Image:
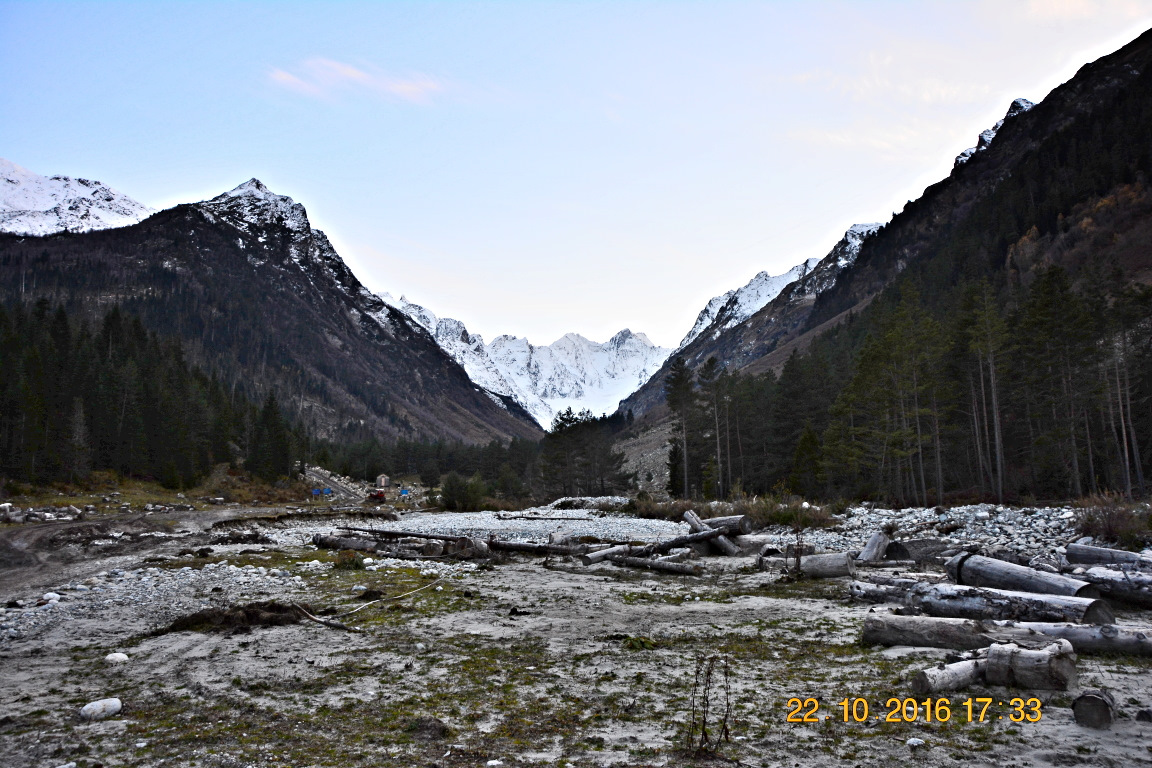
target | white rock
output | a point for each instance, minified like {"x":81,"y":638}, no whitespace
{"x":116,"y":658}
{"x":914,"y":742}
{"x":98,"y":710}
{"x":51,"y":596}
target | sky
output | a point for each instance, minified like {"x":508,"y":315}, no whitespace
{"x":539,"y":168}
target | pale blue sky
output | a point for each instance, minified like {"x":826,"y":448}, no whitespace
{"x":537,"y":168}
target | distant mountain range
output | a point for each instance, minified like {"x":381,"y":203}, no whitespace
{"x":262,"y":300}
{"x":572,"y":372}
{"x":31,"y":204}
{"x":994,"y":213}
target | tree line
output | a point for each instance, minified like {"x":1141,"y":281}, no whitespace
{"x":1000,"y":393}
{"x":576,"y":457}
{"x":76,"y":398}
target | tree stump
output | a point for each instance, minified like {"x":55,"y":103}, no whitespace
{"x":1094,"y":709}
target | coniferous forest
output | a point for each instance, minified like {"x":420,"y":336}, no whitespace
{"x":75,"y":398}
{"x":1041,"y":392}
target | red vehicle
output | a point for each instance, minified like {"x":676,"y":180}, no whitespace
{"x":377,"y":495}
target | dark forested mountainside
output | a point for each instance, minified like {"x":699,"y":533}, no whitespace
{"x":994,"y":339}
{"x":114,"y":397}
{"x":1062,"y":183}
{"x":263,"y":300}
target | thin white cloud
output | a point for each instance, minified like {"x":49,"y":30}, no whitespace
{"x":328,"y":79}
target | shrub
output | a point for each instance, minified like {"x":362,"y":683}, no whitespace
{"x":349,"y":560}
{"x":460,"y":495}
{"x":1110,"y":520}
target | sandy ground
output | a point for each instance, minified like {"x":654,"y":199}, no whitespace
{"x":525,"y":661}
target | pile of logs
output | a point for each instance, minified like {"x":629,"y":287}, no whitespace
{"x":410,"y":545}
{"x":715,"y":533}
{"x":1016,"y":625}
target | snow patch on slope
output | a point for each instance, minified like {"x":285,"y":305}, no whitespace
{"x":572,"y":372}
{"x":31,"y":204}
{"x":985,"y":140}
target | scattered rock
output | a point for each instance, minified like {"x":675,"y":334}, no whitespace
{"x":100,"y":710}
{"x":914,"y":742}
{"x":116,"y":658}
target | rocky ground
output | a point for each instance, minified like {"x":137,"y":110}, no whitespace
{"x":518,"y":661}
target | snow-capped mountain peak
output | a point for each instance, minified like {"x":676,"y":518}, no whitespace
{"x":31,"y":204}
{"x":252,"y":203}
{"x":570,"y":372}
{"x":734,"y":307}
{"x":985,"y":139}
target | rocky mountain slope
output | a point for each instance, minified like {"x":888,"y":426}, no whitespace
{"x":1082,"y":154}
{"x":31,"y":204}
{"x":725,"y":314}
{"x":572,"y":372}
{"x":263,"y":300}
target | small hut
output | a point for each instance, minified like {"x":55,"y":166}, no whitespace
{"x":382,"y":481}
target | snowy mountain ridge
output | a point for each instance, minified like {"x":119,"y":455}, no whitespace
{"x":572,"y":372}
{"x":31,"y":204}
{"x":736,"y":306}
{"x":985,"y":140}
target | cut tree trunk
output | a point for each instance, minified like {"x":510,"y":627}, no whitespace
{"x":963,"y":602}
{"x":895,"y":564}
{"x":966,"y":634}
{"x":875,"y":548}
{"x":1094,"y":709}
{"x":685,"y":569}
{"x":1052,"y":668}
{"x":828,"y":566}
{"x":537,"y":549}
{"x":1085,"y":555}
{"x":736,"y":525}
{"x":978,"y":571}
{"x":604,"y":554}
{"x":1128,"y":586}
{"x":721,"y":542}
{"x":948,"y":677}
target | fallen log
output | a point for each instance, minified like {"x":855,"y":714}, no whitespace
{"x":896,"y":564}
{"x":875,"y":548}
{"x":341,"y":542}
{"x":828,"y":566}
{"x":684,"y":569}
{"x":964,"y":602}
{"x":986,"y":603}
{"x":978,"y":571}
{"x":1052,"y":668}
{"x":1094,"y":709}
{"x":604,"y":554}
{"x":1086,"y":555}
{"x":386,"y":534}
{"x":965,"y":634}
{"x":907,"y":580}
{"x":721,"y":542}
{"x":1128,"y":586}
{"x":680,"y":541}
{"x":948,"y":677}
{"x":537,"y":549}
{"x":737,"y":525}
